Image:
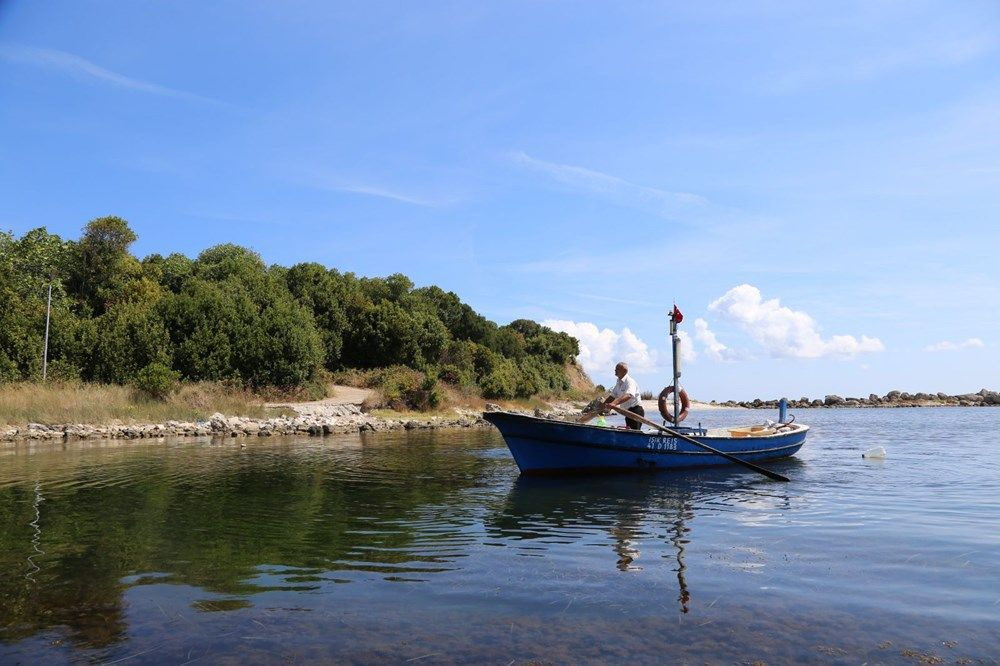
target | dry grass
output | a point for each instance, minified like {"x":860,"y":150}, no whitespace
{"x":58,"y":403}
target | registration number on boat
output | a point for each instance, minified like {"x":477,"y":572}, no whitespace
{"x":662,"y":444}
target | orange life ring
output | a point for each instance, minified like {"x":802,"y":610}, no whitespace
{"x":665,"y":409}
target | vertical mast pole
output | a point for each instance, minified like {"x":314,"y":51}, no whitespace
{"x":675,"y":347}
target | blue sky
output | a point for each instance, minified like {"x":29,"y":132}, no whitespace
{"x":817,"y":185}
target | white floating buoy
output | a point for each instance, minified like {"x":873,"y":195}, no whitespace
{"x":877,"y":453}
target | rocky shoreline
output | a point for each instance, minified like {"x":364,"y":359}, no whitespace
{"x":321,"y":420}
{"x":331,"y":420}
{"x":983,"y":398}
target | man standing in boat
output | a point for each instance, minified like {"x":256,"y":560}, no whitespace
{"x":626,"y":395}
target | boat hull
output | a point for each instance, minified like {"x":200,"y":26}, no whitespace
{"x":546,"y":446}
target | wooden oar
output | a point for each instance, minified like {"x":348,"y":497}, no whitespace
{"x":766,"y":472}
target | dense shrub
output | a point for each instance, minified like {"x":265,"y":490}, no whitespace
{"x":282,"y":346}
{"x":61,"y":370}
{"x":8,"y":369}
{"x":456,"y":376}
{"x":130,"y":337}
{"x":157,"y":381}
{"x":405,"y":388}
{"x":502,"y":380}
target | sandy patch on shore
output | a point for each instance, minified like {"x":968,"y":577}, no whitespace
{"x":342,"y":395}
{"x":651,"y":406}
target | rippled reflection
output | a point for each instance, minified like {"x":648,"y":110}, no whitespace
{"x":633,"y":513}
{"x":399,"y":546}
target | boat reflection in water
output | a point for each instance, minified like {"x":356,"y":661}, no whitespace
{"x":646,"y":519}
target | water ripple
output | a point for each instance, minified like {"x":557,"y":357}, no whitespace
{"x":122,"y":542}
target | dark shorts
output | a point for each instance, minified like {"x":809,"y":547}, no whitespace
{"x":632,"y":424}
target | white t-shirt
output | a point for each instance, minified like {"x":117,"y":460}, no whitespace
{"x":626,"y":385}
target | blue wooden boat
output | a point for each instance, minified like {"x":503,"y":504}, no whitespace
{"x":541,"y":445}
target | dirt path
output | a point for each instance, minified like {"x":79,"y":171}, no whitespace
{"x":342,"y":395}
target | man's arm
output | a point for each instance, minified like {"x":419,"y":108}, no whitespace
{"x":613,"y":401}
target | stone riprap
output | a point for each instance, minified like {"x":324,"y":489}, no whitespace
{"x":332,"y":419}
{"x":983,"y":398}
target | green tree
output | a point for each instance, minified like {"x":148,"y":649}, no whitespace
{"x":131,"y":336}
{"x":319,"y":290}
{"x":462,"y":322}
{"x":283,"y":347}
{"x":206,"y":322}
{"x":542,"y":341}
{"x":228,"y":262}
{"x":220,"y":330}
{"x":510,"y":343}
{"x":502,"y":381}
{"x":29,"y":264}
{"x":102,"y":266}
{"x":20,"y":337}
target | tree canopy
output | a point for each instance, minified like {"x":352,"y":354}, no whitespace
{"x":226,"y":315}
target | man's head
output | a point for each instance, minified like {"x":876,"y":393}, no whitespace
{"x":621,"y":369}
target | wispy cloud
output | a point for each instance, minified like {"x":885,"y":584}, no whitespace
{"x":945,"y":345}
{"x":939,"y":52}
{"x":605,"y":186}
{"x":331,"y":182}
{"x":383,"y":193}
{"x":85,"y":70}
{"x":783,"y":332}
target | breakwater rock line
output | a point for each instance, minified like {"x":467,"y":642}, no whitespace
{"x":984,"y":398}
{"x":339,"y":419}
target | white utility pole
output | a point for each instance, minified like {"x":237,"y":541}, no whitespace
{"x":45,"y":351}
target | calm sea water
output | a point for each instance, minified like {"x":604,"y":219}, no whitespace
{"x":429,"y":548}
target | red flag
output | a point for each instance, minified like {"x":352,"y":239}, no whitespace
{"x":678,"y":317}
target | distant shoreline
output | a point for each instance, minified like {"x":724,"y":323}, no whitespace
{"x":984,"y":398}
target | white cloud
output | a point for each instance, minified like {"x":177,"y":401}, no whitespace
{"x":601,"y":348}
{"x":784,"y":332}
{"x":945,"y":345}
{"x":714,"y":349}
{"x":688,"y":352}
{"x":82,"y":68}
{"x":594,"y":183}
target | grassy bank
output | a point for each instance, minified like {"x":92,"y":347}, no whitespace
{"x":60,"y":403}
